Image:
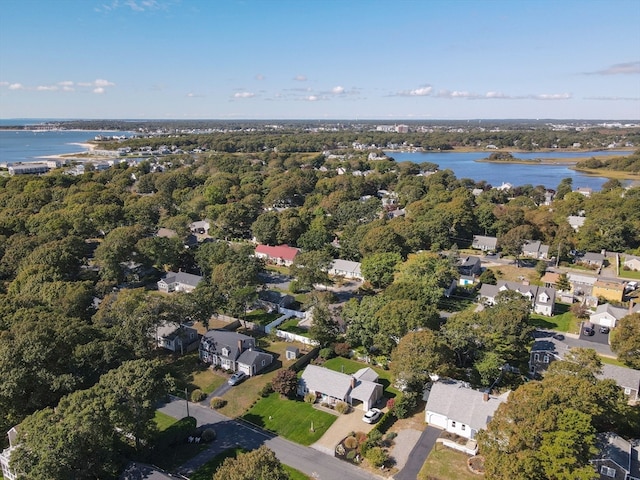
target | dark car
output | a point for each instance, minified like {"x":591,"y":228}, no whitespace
{"x":558,"y":336}
{"x":589,"y":331}
{"x":604,"y":330}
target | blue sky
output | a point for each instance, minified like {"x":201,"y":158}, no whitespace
{"x":320,"y":59}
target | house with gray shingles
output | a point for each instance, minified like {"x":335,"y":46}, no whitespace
{"x":542,"y":298}
{"x":346,"y":269}
{"x":615,"y":458}
{"x":179,"y":282}
{"x":179,"y":338}
{"x":547,"y":349}
{"x":535,"y":249}
{"x":592,"y":259}
{"x":458,"y":409}
{"x":332,"y":387}
{"x":576,"y":222}
{"x":486,"y":244}
{"x":233,"y":351}
{"x":607,"y":315}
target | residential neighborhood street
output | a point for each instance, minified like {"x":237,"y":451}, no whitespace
{"x":231,"y":433}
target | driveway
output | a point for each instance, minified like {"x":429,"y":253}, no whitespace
{"x":232,"y":433}
{"x":601,"y":338}
{"x":419,"y":454}
{"x":343,"y":426}
{"x":574,"y":341}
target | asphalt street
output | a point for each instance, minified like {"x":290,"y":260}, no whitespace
{"x":231,"y":433}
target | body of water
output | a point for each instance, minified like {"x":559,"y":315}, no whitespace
{"x":464,"y":165}
{"x":28,"y":146}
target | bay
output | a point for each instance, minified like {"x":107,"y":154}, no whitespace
{"x":29,"y":146}
{"x":465,"y":165}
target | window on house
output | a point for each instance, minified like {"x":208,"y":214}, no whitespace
{"x":536,"y":357}
{"x":546,"y":359}
{"x":627,"y":391}
{"x":453,"y":424}
{"x":608,"y":471}
{"x":463,"y":427}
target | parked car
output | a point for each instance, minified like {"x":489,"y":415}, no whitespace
{"x":372,"y":416}
{"x":236,"y":378}
{"x":589,"y":331}
{"x":558,"y":336}
{"x":604,"y":330}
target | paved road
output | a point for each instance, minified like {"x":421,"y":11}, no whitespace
{"x":231,"y":433}
{"x":573,"y":341}
{"x":218,"y":392}
{"x":419,"y":454}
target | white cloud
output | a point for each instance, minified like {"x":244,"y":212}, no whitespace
{"x":99,"y":90}
{"x":337,"y":90}
{"x":4,"y":84}
{"x":300,"y":78}
{"x":46,"y":88}
{"x":417,"y":92}
{"x":551,"y":96}
{"x":629,"y":68}
{"x":66,"y":83}
{"x":312,"y":98}
{"x":626,"y":99}
{"x":103,"y":83}
{"x":244,"y":95}
{"x":496,"y":95}
{"x":16,"y":86}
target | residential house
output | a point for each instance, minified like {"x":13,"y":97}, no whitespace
{"x":5,"y":456}
{"x":506,"y":186}
{"x":576,"y":222}
{"x":615,"y":458}
{"x":468,"y":268}
{"x":591,"y":259}
{"x":233,"y":351}
{"x":177,"y":337}
{"x":631,"y":262}
{"x":346,"y":269}
{"x":607,"y":315}
{"x":201,"y":227}
{"x":542,"y":298}
{"x":332,"y":387}
{"x":586,"y":191}
{"x":581,"y":284}
{"x":535,"y":249}
{"x":280,"y":254}
{"x":609,"y":290}
{"x":486,"y":244}
{"x":274,"y":301}
{"x":178,"y":282}
{"x":547,"y":349}
{"x":550,"y":280}
{"x":458,"y":409}
{"x":628,"y":379}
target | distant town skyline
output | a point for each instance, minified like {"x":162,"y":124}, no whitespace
{"x":320,"y":59}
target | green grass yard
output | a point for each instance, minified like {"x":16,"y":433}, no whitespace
{"x":563,"y":321}
{"x":444,"y":463}
{"x":291,"y":419}
{"x":345,"y":365}
{"x":163,"y":421}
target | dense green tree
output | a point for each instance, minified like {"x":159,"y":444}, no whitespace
{"x":626,"y":340}
{"x":260,"y":464}
{"x":565,"y":186}
{"x":285,"y":382}
{"x":418,"y":355}
{"x":324,"y":328}
{"x":117,"y":247}
{"x":310,"y":268}
{"x":379,"y":268}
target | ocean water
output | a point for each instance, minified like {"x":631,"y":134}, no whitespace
{"x":29,"y":146}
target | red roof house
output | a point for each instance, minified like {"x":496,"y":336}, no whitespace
{"x":280,"y":254}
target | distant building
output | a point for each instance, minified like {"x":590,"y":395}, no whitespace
{"x":609,"y":290}
{"x":346,"y":269}
{"x":29,"y":169}
{"x":5,"y":456}
{"x":179,"y":282}
{"x":486,"y":244}
{"x":576,"y":222}
{"x":542,"y":298}
{"x":280,"y":254}
{"x":535,"y":249}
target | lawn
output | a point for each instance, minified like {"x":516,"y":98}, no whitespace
{"x":261,"y":317}
{"x":163,"y":421}
{"x":345,"y":365}
{"x":208,"y":469}
{"x":291,"y":326}
{"x":291,"y":419}
{"x":629,"y":274}
{"x":612,"y":361}
{"x":516,"y":274}
{"x":190,"y":373}
{"x":445,"y":464}
{"x":563,"y":321}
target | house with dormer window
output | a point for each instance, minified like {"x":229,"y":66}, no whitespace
{"x":542,"y":298}
{"x":233,"y":351}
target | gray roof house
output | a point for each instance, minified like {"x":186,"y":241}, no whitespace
{"x":592,"y":258}
{"x":535,"y":249}
{"x":547,"y":349}
{"x":481,"y":242}
{"x":632,"y":262}
{"x":607,"y":315}
{"x":456,"y":408}
{"x":346,"y":269}
{"x":576,"y":222}
{"x":542,"y":298}
{"x":233,"y":351}
{"x":615,"y":458}
{"x":332,"y":387}
{"x":179,"y":282}
{"x":179,"y":338}
{"x":469,"y":265}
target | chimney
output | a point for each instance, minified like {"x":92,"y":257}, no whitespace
{"x":239,"y":346}
{"x":485,"y":396}
{"x":353,"y":382}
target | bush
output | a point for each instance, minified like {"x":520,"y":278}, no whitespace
{"x":266,"y":390}
{"x":376,"y":456}
{"x":342,"y":407}
{"x":391,"y":436}
{"x":391,"y":403}
{"x":406,"y":405}
{"x":351,"y":455}
{"x":366,"y":446}
{"x":375,"y":436}
{"x":342,"y":349}
{"x":327,"y":353}
{"x":198,"y":395}
{"x":285,"y":382}
{"x":360,"y":437}
{"x":217,"y":402}
{"x":209,"y":435}
{"x":310,"y":398}
{"x":350,"y":442}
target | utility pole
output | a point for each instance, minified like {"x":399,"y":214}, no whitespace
{"x":186,"y":397}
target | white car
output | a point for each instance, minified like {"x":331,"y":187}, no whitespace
{"x":372,"y":416}
{"x":236,"y":378}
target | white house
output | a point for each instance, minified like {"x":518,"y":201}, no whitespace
{"x":179,"y":338}
{"x":484,"y":243}
{"x":179,"y":282}
{"x":458,"y":409}
{"x":632,"y":262}
{"x":5,"y":456}
{"x":332,"y":387}
{"x":346,"y":269}
{"x":542,"y":298}
{"x":607,"y":315}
